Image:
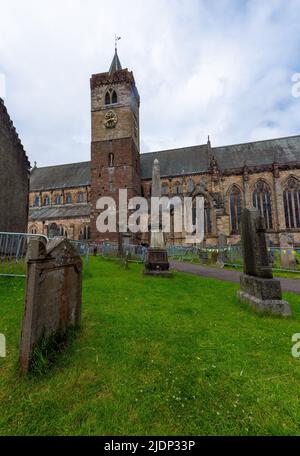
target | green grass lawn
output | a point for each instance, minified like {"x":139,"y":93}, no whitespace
{"x":13,"y":267}
{"x":156,"y":356}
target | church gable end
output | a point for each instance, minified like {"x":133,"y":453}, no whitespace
{"x":14,"y":181}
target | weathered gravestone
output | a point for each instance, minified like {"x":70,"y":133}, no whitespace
{"x":222,"y":253}
{"x":53,"y":294}
{"x":214,"y":256}
{"x":287,"y":258}
{"x":203,"y":254}
{"x":258,"y":288}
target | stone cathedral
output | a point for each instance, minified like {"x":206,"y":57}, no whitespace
{"x":263,"y":174}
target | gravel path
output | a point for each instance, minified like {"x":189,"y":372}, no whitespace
{"x":228,"y":275}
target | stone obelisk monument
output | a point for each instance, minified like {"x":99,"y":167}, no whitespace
{"x":157,"y":259}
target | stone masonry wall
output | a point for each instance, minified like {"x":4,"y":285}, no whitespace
{"x":14,"y":177}
{"x":106,"y":180}
{"x":71,"y":227}
{"x":202,"y":185}
{"x":52,"y":194}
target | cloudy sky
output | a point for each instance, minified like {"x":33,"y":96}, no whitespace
{"x":217,"y":67}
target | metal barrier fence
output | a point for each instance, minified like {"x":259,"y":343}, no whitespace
{"x":133,"y":253}
{"x":13,"y":249}
{"x":83,"y":250}
{"x":183,"y":253}
{"x":281,"y":259}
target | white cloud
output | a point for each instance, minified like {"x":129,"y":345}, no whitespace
{"x":218,"y":67}
{"x":2,"y":86}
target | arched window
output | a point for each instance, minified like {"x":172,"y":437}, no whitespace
{"x":79,"y":197}
{"x":107,"y":98}
{"x":164,"y":189}
{"x":114,"y":98}
{"x":46,"y":200}
{"x":68,"y":198}
{"x":235,"y":209}
{"x":190,"y":185}
{"x":33,"y":230}
{"x":207,"y":217}
{"x":85,"y":233}
{"x":111,"y":97}
{"x":63,"y":231}
{"x":36,"y":201}
{"x":111,"y":159}
{"x":262,"y":202}
{"x":58,"y":199}
{"x":177,"y":188}
{"x":291,"y":201}
{"x":53,"y":230}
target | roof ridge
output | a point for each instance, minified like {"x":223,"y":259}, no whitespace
{"x":226,"y":145}
{"x":173,"y":149}
{"x":259,"y":141}
{"x":64,"y":164}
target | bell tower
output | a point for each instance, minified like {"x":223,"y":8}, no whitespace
{"x":115,"y":147}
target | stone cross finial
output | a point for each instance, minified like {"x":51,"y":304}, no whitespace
{"x":209,"y":147}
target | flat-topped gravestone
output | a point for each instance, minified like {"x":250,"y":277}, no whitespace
{"x":287,"y":258}
{"x":258,"y":287}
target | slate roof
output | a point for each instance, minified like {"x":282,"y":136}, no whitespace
{"x":195,"y":159}
{"x":176,"y":162}
{"x":56,"y":212}
{"x":187,"y":160}
{"x":258,"y":153}
{"x":115,"y":64}
{"x":61,"y":176}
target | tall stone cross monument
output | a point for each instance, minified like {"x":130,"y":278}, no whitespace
{"x":157,"y":259}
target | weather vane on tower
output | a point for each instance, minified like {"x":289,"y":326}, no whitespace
{"x":117,"y":38}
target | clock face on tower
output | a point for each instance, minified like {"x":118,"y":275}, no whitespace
{"x":110,"y":119}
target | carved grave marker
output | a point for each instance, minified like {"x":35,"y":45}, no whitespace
{"x":258,"y":288}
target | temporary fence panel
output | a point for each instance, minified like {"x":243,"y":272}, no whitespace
{"x":13,"y":249}
{"x":133,"y":253}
